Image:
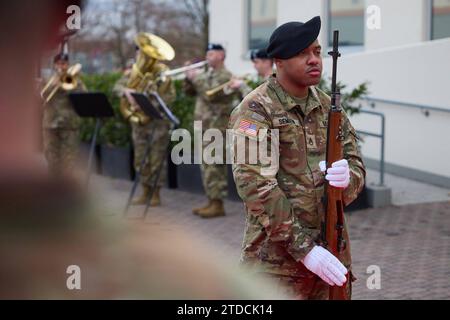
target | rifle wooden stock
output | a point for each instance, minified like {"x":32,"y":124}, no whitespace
{"x":334,"y":220}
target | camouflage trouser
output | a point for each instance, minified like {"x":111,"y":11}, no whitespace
{"x":214,"y":177}
{"x":61,"y":149}
{"x":304,"y":288}
{"x":157,"y":153}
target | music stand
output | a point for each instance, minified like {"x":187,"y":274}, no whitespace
{"x":161,"y":113}
{"x":166,"y":111}
{"x":145,"y":104}
{"x":174,"y":123}
{"x":91,"y":105}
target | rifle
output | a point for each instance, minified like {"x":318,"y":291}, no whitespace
{"x":334,"y":209}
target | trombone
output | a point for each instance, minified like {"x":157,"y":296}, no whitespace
{"x":170,"y":73}
{"x":67,"y":81}
{"x":211,"y":92}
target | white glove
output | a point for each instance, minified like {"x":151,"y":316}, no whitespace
{"x":338,"y":174}
{"x":321,"y":262}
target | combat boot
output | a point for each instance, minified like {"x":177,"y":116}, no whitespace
{"x":214,"y":210}
{"x":156,"y":200}
{"x":142,"y":199}
{"x":197,"y":210}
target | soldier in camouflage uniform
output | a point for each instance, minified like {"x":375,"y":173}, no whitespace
{"x":213,"y":112}
{"x":121,"y":85}
{"x":284,"y":208}
{"x":61,"y":125}
{"x":262,"y":64}
{"x":141,"y":131}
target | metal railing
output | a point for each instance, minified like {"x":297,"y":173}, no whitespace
{"x":381,"y":136}
{"x":424,"y":108}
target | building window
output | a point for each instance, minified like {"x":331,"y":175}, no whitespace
{"x":262,"y":20}
{"x":440,"y":26}
{"x":347,"y":16}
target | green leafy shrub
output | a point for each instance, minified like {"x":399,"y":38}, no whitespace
{"x":115,"y":131}
{"x":183,"y":107}
{"x":348,"y":98}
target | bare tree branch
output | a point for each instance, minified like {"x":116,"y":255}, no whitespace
{"x":110,"y":29}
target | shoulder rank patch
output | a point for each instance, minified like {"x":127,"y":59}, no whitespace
{"x":257,"y":117}
{"x":255,"y":106}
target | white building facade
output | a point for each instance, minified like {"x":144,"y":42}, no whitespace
{"x":401,"y":47}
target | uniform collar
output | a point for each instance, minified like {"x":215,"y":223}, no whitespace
{"x":216,"y":70}
{"x":287,"y":101}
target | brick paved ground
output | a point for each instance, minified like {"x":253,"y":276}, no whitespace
{"x":410,"y":244}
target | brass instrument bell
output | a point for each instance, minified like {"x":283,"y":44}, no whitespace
{"x":67,"y":81}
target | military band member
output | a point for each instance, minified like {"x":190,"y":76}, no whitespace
{"x":121,"y":85}
{"x":60,"y":122}
{"x":284,"y":208}
{"x":144,"y":77}
{"x":262,"y":64}
{"x":213,"y":111}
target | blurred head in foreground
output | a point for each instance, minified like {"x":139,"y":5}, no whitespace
{"x":33,"y":29}
{"x":47,"y":235}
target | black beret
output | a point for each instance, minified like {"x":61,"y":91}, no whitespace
{"x":61,"y":57}
{"x":291,"y":38}
{"x":215,"y":46}
{"x":259,"y":54}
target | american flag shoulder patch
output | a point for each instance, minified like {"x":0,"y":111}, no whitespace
{"x":248,"y":127}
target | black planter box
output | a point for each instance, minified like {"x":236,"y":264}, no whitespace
{"x":172,"y":173}
{"x":232,"y":191}
{"x":116,"y":162}
{"x":189,"y":179}
{"x":359,"y":203}
{"x":83,"y":157}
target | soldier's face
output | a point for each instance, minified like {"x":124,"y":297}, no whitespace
{"x":61,"y":66}
{"x":262,"y":66}
{"x":304,"y":69}
{"x":215,"y":57}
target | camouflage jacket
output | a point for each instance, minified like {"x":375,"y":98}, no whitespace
{"x":121,"y":84}
{"x":166,"y":88}
{"x":284,"y":209}
{"x":215,"y":110}
{"x":257,"y":80}
{"x":59,"y":113}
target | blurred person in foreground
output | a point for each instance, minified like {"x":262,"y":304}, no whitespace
{"x":45,"y":228}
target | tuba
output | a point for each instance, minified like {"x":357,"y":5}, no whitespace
{"x":67,"y":81}
{"x":152,"y":48}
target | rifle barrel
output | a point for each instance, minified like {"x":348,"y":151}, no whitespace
{"x":335,"y":55}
